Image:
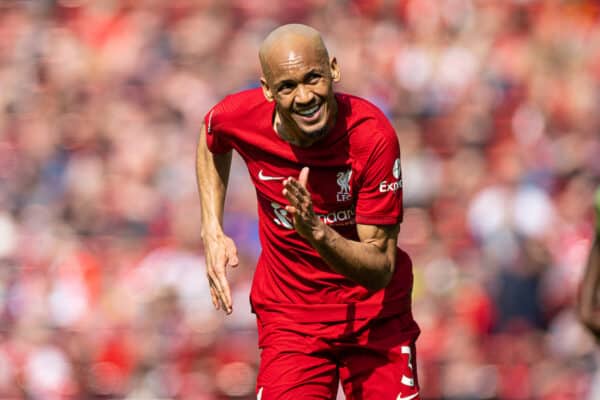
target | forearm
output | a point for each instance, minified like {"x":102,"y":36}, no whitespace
{"x":370,"y":263}
{"x":588,"y":307}
{"x":212,"y":175}
{"x":587,"y":304}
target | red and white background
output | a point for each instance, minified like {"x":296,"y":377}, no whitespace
{"x":102,"y":289}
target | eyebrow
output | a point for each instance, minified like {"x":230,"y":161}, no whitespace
{"x":317,"y":71}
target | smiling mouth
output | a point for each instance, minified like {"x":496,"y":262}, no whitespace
{"x":309,"y":112}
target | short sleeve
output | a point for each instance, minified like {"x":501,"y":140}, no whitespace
{"x":216,"y":140}
{"x":379,"y":197}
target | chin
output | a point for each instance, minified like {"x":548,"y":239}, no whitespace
{"x":315,"y":133}
{"x":314,"y":130}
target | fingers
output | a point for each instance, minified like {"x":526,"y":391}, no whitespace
{"x":291,"y":210}
{"x":220,"y":295}
{"x":296,"y":186}
{"x":217,"y":279}
{"x":223,"y":290}
{"x":297,"y":205}
{"x":233,"y":261}
{"x":292,"y":196}
{"x":303,"y":178}
{"x":295,"y":192}
{"x":213,"y":295}
{"x":300,"y":207}
{"x":219,"y":291}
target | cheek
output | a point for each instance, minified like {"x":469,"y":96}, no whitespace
{"x":324,"y":90}
{"x":283,"y":102}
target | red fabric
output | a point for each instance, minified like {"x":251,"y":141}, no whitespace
{"x":354,"y":178}
{"x":300,"y":361}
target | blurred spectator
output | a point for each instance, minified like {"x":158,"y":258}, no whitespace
{"x":101,"y":288}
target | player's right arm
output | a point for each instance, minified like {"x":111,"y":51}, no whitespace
{"x":588,"y":306}
{"x":212,"y":176}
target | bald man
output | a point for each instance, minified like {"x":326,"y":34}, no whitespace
{"x":331,"y":290}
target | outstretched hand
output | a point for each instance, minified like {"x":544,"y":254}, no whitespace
{"x":221,"y":253}
{"x":306,"y":222}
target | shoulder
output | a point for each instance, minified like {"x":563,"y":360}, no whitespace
{"x":235,"y":107}
{"x":366,"y":124}
{"x":359,"y":104}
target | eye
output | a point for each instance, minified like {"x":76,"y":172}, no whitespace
{"x":313,"y":78}
{"x":285,"y":88}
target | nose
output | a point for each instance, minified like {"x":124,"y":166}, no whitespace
{"x":304,"y":95}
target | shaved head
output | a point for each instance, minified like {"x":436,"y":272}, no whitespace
{"x":287,"y":40}
{"x":298,"y":75}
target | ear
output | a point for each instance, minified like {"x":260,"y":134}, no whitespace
{"x":335,"y":70}
{"x":265,"y":88}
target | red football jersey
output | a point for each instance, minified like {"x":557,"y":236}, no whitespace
{"x":355,"y":177}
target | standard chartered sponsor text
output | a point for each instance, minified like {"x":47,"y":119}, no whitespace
{"x":338,"y":217}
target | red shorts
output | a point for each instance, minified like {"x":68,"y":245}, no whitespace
{"x":373,"y":360}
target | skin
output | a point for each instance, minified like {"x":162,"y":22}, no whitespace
{"x":212,"y":174}
{"x":588,"y":306}
{"x":298,"y":75}
{"x":369,"y":261}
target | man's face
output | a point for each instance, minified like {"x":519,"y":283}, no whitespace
{"x":300,"y":82}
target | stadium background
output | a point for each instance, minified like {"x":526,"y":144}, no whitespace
{"x":102,"y":291}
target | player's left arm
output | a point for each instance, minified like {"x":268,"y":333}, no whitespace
{"x":588,"y":304}
{"x":370,"y":261}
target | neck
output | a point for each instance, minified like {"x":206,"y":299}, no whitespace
{"x":286,"y":134}
{"x":299,"y":139}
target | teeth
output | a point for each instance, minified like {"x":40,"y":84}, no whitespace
{"x":309,"y":111}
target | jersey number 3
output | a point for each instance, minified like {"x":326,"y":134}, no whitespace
{"x":408,"y":380}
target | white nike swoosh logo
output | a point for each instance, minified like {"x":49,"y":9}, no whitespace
{"x":264,"y":177}
{"x":412,"y":396}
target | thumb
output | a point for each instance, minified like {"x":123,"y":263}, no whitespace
{"x":232,"y":257}
{"x":303,"y":178}
{"x":231,"y":253}
{"x":233,"y":260}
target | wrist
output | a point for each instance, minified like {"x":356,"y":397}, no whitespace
{"x":211,"y":233}
{"x":319,"y":233}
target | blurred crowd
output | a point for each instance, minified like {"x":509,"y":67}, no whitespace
{"x":102,"y":288}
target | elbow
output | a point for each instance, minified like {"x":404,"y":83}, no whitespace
{"x":379,"y":280}
{"x":591,"y":323}
{"x":593,"y":327}
{"x":382,"y":276}
{"x":590,"y":320}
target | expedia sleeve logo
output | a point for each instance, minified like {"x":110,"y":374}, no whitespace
{"x":396,"y":171}
{"x":393,"y":186}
